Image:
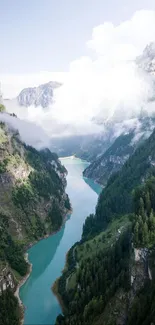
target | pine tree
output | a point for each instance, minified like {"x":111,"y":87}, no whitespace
{"x":148,"y":202}
{"x":141,"y":208}
{"x":136,"y":234}
{"x":145,"y":234}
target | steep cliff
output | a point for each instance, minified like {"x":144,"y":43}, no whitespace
{"x":33,"y":204}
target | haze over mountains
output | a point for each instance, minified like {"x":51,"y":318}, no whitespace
{"x":110,"y":139}
{"x":103,"y":96}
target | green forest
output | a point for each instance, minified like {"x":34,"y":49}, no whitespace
{"x":97,"y":280}
{"x":31,"y":206}
{"x":9,"y":309}
{"x":99,"y":267}
{"x":144,"y":219}
{"x":116,"y":198}
{"x":11,"y":251}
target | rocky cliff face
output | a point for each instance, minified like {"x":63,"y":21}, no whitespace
{"x":7,"y":279}
{"x":38,"y":96}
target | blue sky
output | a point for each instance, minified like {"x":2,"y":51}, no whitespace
{"x":46,"y":35}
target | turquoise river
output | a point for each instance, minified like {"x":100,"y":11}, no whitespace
{"x":48,"y":255}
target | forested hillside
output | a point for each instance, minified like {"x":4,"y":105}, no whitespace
{"x":116,"y":198}
{"x":110,"y":279}
{"x":33,"y":203}
{"x":109,"y":276}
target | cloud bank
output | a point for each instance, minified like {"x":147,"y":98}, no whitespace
{"x":104,"y":86}
{"x":30,"y":133}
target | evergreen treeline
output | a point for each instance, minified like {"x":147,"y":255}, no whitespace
{"x":99,"y":276}
{"x":10,"y":251}
{"x":144,"y":220}
{"x":97,"y":280}
{"x":9,"y":309}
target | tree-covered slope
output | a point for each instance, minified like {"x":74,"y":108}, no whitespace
{"x":32,"y":187}
{"x":33,"y":204}
{"x":116,"y":198}
{"x":109,"y":279}
{"x":109,"y":276}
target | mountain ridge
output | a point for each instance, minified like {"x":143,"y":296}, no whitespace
{"x":120,"y":150}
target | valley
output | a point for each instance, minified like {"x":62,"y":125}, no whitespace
{"x":79,"y":202}
{"x":47,"y":267}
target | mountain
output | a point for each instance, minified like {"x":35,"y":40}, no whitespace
{"x":121,"y":149}
{"x":116,"y":198}
{"x":32,"y":184}
{"x":112,"y":160}
{"x":33,"y":96}
{"x":93,"y":146}
{"x":146,"y":61}
{"x":38,"y":96}
{"x":33,"y":204}
{"x":86,"y":147}
{"x":109,"y":274}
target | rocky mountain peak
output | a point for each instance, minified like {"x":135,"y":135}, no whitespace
{"x":146,"y":61}
{"x":38,"y":96}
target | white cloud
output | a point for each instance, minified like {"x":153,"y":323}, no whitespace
{"x":30,"y":133}
{"x":125,"y":40}
{"x":109,"y":86}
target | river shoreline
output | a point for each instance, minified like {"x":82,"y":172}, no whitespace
{"x":54,"y":287}
{"x":45,"y":283}
{"x":68,"y":157}
{"x":25,"y":278}
{"x":19,"y":285}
